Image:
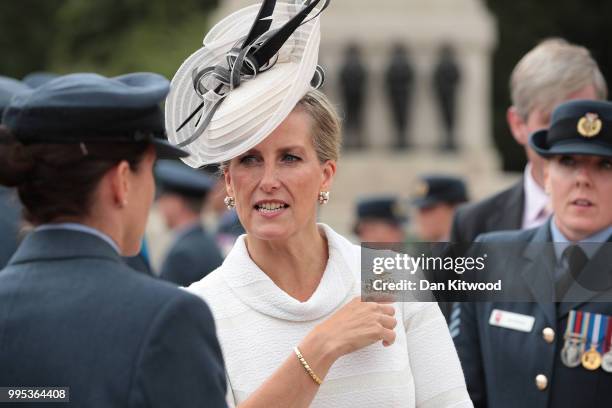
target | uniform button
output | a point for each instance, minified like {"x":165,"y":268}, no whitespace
{"x":548,"y":334}
{"x":541,"y":382}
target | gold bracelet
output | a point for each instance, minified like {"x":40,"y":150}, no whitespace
{"x":311,"y":373}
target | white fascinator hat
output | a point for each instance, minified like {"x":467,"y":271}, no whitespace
{"x":254,"y":67}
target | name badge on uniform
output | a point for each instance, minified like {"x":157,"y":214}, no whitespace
{"x":511,"y":320}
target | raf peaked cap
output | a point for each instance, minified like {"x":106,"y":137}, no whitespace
{"x":89,"y":108}
{"x":176,"y":177}
{"x":386,"y":208}
{"x":431,"y":190}
{"x":576,"y":127}
{"x":8,"y":88}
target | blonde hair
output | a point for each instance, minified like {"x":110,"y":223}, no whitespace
{"x":551,"y":71}
{"x":326,"y":128}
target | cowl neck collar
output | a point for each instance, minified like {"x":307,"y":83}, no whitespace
{"x":258,"y":291}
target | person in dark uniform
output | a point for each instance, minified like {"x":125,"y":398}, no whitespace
{"x":541,"y":353}
{"x":80,"y":151}
{"x":380,"y":219}
{"x":446,"y":80}
{"x":10,"y":209}
{"x":436,"y":198}
{"x":399,"y":85}
{"x":353,"y":84}
{"x":553,"y":72}
{"x":194,"y":252}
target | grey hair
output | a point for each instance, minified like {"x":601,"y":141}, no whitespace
{"x":551,"y":71}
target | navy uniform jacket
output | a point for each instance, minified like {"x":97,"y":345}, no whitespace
{"x":500,"y":364}
{"x":194,"y":255}
{"x":73,"y":314}
{"x":10,"y":218}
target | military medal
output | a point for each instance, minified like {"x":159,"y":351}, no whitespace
{"x":606,"y":361}
{"x":574,"y":339}
{"x":591,"y":360}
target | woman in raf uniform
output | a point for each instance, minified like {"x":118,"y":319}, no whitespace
{"x":80,"y":150}
{"x":542,"y":353}
{"x":293,"y":332}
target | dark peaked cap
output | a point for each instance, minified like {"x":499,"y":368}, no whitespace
{"x":179,"y":178}
{"x":576,"y":127}
{"x":90,"y":108}
{"x":434,"y":189}
{"x":387,"y":208}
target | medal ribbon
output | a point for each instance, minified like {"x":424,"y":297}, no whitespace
{"x":571,"y":321}
{"x":594,"y":331}
{"x":586,"y":326}
{"x":608,"y":337}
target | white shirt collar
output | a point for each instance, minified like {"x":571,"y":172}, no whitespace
{"x":590,"y":244}
{"x":535,"y":201}
{"x":73,"y":226}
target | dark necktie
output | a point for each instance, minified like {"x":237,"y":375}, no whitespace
{"x":576,"y":260}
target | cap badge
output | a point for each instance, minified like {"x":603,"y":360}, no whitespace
{"x":589,"y":125}
{"x":421,"y":189}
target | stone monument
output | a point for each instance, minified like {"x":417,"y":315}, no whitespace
{"x":422,"y":27}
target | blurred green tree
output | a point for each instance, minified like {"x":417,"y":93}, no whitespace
{"x":105,"y":36}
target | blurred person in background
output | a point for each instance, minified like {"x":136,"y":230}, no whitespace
{"x":10,"y":208}
{"x":435,"y":199}
{"x":380,"y":219}
{"x":293,"y":330}
{"x":182,"y":194}
{"x":80,"y":151}
{"x":541,"y":353}
{"x":553,"y":72}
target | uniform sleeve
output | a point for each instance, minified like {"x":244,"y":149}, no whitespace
{"x":181,"y":364}
{"x":438,"y":378}
{"x":464,"y":330}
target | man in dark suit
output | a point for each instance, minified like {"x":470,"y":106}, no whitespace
{"x":194,"y":253}
{"x":72,"y":313}
{"x":524,"y":349}
{"x":553,"y":72}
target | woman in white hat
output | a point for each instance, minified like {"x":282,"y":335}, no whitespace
{"x":292,"y":330}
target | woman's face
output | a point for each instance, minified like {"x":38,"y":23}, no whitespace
{"x":276,"y":184}
{"x":581,"y":193}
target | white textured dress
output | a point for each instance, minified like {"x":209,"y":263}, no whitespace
{"x":258,"y":325}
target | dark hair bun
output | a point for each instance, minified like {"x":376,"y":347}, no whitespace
{"x":16,"y":162}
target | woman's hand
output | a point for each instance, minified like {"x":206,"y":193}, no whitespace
{"x":354,"y":326}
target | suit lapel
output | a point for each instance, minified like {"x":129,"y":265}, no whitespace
{"x":538,"y":270}
{"x":510,"y":215}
